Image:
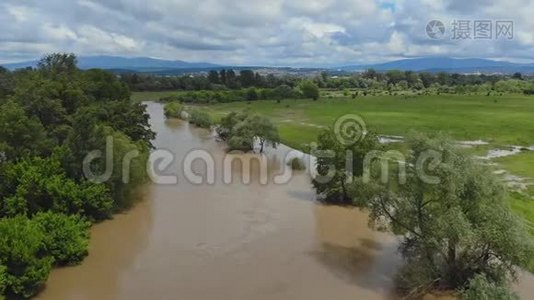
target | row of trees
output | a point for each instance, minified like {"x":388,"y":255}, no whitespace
{"x":457,"y":229}
{"x":393,"y":80}
{"x":51,"y":117}
{"x":305,"y":90}
{"x":214,"y":80}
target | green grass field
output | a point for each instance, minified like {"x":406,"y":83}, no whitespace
{"x":497,"y":120}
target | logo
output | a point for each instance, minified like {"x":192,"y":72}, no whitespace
{"x":435,"y":29}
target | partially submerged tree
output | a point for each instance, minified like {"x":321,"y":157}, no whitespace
{"x":173,"y":110}
{"x":453,"y":217}
{"x":241,"y":131}
{"x":338,"y":163}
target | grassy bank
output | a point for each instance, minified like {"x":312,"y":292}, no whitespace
{"x":498,"y":120}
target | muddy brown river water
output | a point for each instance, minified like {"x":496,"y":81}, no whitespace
{"x":231,"y":241}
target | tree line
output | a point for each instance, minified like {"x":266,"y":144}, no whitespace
{"x":51,"y":117}
{"x":393,"y":80}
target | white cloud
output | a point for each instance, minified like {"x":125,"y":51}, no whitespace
{"x":276,"y":32}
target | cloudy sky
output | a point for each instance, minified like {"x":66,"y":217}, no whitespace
{"x":267,"y":32}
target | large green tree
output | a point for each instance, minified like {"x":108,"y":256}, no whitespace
{"x":338,"y":163}
{"x":20,"y":134}
{"x":453,"y":218}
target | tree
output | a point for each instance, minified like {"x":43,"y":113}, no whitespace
{"x":213,"y":77}
{"x":309,"y":90}
{"x":173,"y":110}
{"x":332,"y":153}
{"x":26,"y":266}
{"x":231,"y":80}
{"x":19,"y":134}
{"x":264,"y":130}
{"x":453,"y":217}
{"x":247,"y":78}
{"x":517,"y":75}
{"x":240,"y":131}
{"x":252,"y":94}
{"x":282,"y":91}
{"x":222,"y":76}
{"x":58,"y":64}
{"x":228,"y":123}
{"x":66,"y":238}
{"x":35,"y":185}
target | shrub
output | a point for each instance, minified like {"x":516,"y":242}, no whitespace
{"x":200,"y":119}
{"x":26,"y":267}
{"x":309,"y":90}
{"x":173,"y":110}
{"x":252,"y":94}
{"x":66,"y":238}
{"x":481,"y":289}
{"x":296,"y":164}
{"x":3,"y":281}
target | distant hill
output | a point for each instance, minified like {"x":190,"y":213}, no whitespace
{"x":125,"y":63}
{"x":446,"y":64}
{"x":120,"y":64}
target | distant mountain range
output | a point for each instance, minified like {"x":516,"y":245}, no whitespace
{"x":446,"y":64}
{"x":173,"y":67}
{"x":139,"y":64}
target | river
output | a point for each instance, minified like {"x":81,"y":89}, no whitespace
{"x":230,"y":240}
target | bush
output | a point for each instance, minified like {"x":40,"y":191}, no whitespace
{"x":296,"y":164}
{"x":200,"y":119}
{"x":252,"y":94}
{"x":482,"y":289}
{"x":309,"y":90}
{"x":173,"y":110}
{"x":41,"y":185}
{"x":66,"y":238}
{"x":26,"y":266}
{"x":3,"y":280}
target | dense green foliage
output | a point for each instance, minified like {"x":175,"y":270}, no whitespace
{"x":309,"y":90}
{"x":39,"y":184}
{"x":240,"y":130}
{"x":51,"y":118}
{"x":200,"y":118}
{"x":173,"y":110}
{"x":368,"y":82}
{"x":453,"y":217}
{"x":250,"y":94}
{"x":66,"y":238}
{"x":335,"y":168}
{"x":482,"y":289}
{"x":215,"y":80}
{"x":27,"y":266}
